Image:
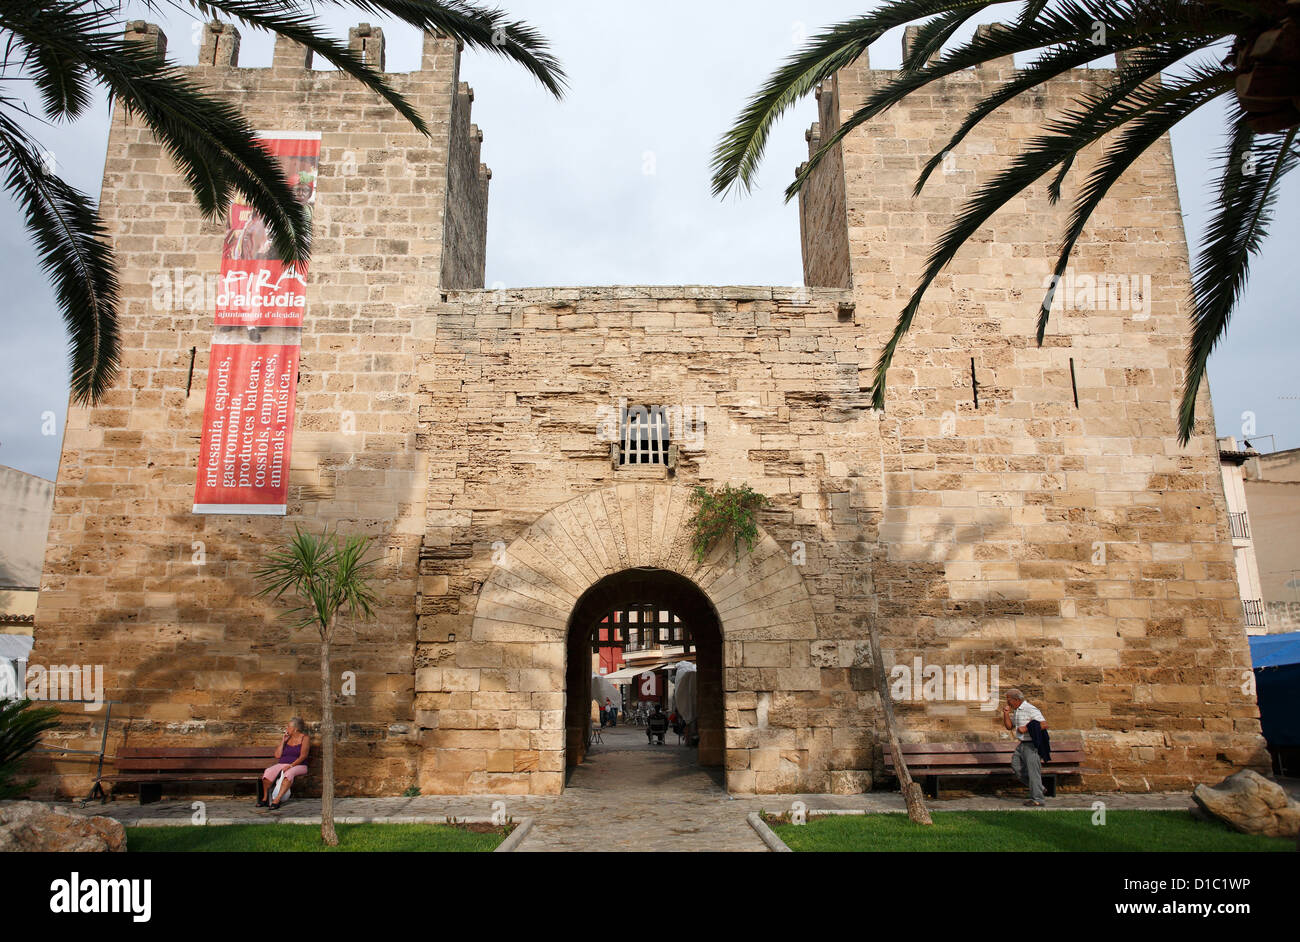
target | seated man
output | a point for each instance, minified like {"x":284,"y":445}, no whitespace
{"x":657,"y":725}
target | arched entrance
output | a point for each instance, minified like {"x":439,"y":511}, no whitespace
{"x":692,"y":621}
{"x":508,"y":726}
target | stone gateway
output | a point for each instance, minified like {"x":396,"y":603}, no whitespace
{"x":524,"y":459}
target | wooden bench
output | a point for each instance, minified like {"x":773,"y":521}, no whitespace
{"x":930,"y":761}
{"x":151,"y":767}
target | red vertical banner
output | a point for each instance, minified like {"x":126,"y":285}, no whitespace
{"x":257,"y":289}
{"x":247,"y":436}
{"x":247,"y":429}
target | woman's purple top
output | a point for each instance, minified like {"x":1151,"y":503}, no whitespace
{"x":289,"y":754}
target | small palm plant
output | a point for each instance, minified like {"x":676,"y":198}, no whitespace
{"x":1246,"y":52}
{"x":329,"y":575}
{"x":21,"y":726}
{"x":67,"y":48}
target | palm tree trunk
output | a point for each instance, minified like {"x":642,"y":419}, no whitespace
{"x":916,"y":809}
{"x":327,"y":743}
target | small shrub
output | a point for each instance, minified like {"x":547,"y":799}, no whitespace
{"x":725,"y":513}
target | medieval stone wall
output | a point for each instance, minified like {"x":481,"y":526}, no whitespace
{"x":1055,"y":530}
{"x":519,"y":384}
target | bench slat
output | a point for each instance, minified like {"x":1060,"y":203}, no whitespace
{"x":1006,"y":745}
{"x":982,"y":769}
{"x":181,"y":752}
{"x":183,"y":777}
{"x":163,"y":764}
{"x":1058,"y":756}
{"x":918,"y":768}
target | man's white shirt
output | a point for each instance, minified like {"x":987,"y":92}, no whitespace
{"x":1024,"y":713}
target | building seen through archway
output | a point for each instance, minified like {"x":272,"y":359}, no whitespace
{"x":650,"y":621}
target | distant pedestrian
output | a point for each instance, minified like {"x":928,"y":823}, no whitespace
{"x":1026,"y":763}
{"x":611,"y":712}
{"x":656,"y":727}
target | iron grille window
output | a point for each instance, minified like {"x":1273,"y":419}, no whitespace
{"x":1254,"y":612}
{"x":1239,"y":525}
{"x":643,"y":436}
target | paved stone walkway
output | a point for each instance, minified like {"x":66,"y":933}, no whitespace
{"x":627,"y":796}
{"x":631,"y":796}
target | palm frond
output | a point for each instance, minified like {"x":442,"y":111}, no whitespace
{"x":478,"y":27}
{"x":739,"y":152}
{"x":72,"y":245}
{"x":21,"y":728}
{"x":1137,"y":136}
{"x":62,"y":83}
{"x":1146,"y":64}
{"x":325,"y":573}
{"x":214,"y":147}
{"x":1064,"y":26}
{"x":1068,"y":133}
{"x":932,"y":35}
{"x":301,"y":28}
{"x":1252,"y":168}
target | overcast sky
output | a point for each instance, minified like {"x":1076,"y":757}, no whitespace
{"x":611,"y":186}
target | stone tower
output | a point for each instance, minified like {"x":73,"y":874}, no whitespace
{"x":163,"y":598}
{"x":1034,"y":507}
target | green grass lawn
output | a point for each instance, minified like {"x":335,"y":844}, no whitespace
{"x":306,"y":837}
{"x":1021,"y":831}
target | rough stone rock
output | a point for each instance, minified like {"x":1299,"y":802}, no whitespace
{"x":36,"y":826}
{"x":1251,"y":803}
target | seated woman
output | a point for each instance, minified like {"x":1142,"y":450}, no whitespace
{"x":290,"y":758}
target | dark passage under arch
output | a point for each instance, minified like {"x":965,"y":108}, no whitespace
{"x":661,"y":589}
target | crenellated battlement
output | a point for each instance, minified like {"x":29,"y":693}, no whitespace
{"x":868,"y":178}
{"x":432,"y":190}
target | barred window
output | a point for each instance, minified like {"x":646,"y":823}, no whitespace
{"x":643,"y":436}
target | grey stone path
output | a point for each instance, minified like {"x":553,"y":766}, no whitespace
{"x":631,"y":796}
{"x":627,"y":796}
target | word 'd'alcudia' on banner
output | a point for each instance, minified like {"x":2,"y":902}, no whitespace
{"x":258,"y":289}
{"x":247,"y":437}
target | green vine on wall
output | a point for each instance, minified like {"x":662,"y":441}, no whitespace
{"x":727,"y":512}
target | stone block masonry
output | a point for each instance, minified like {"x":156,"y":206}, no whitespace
{"x":1054,"y":530}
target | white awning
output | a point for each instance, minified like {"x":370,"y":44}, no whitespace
{"x":629,"y":674}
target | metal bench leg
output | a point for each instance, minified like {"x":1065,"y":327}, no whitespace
{"x":96,"y":791}
{"x":932,"y":786}
{"x":1049,"y":786}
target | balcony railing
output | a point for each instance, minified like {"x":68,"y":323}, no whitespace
{"x":1254,"y":612}
{"x":1239,"y":525}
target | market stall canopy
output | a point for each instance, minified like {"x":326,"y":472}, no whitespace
{"x":686,"y":694}
{"x":602,"y":689}
{"x":629,"y":674}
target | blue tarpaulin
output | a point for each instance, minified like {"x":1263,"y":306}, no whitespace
{"x":1277,"y":686}
{"x":1275,"y":650}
